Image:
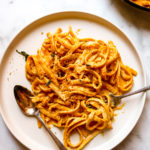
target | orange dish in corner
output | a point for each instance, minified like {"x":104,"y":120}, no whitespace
{"x":143,"y":3}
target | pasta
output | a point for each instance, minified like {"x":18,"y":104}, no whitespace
{"x":72,"y":78}
{"x":144,"y":3}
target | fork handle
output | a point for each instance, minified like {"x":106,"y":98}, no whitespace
{"x":135,"y":92}
{"x":57,"y":141}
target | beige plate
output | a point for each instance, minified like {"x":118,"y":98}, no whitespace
{"x":12,"y":72}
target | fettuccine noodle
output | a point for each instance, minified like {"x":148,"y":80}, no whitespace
{"x":71,"y":80}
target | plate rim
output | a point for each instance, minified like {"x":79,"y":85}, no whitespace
{"x":117,"y":142}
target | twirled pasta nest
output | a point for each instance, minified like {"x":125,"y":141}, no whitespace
{"x":71,"y":80}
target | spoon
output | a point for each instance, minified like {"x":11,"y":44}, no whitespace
{"x":116,"y":99}
{"x":23,"y":97}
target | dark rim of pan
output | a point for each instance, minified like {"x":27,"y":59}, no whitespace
{"x":137,"y":6}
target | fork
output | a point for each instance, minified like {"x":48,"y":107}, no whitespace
{"x":115,"y":99}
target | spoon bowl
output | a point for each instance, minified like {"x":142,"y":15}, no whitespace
{"x":23,"y":97}
{"x":24,"y":100}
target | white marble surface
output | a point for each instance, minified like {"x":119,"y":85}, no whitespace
{"x":16,"y":14}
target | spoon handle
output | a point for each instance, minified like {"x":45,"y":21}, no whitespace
{"x":135,"y":92}
{"x":57,"y":141}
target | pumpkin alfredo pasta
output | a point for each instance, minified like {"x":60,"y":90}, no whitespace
{"x":72,"y":78}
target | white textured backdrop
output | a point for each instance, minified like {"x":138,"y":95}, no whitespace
{"x":16,"y":14}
